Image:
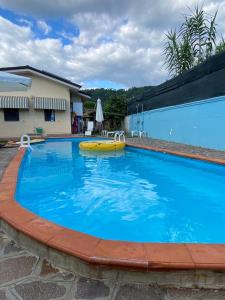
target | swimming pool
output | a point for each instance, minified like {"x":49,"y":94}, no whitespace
{"x":135,"y":195}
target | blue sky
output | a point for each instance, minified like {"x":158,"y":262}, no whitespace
{"x":96,"y":43}
{"x":58,"y":28}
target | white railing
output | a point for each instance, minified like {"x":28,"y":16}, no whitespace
{"x":25,"y":141}
{"x":120,"y":136}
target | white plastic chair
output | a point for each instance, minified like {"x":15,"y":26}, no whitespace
{"x":138,"y":133}
{"x":104,"y":132}
{"x":142,"y":134}
{"x":114,"y":132}
{"x":134,"y":133}
{"x":90,"y":128}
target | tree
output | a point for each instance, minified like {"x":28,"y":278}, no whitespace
{"x":89,"y":105}
{"x":192,"y":43}
{"x":221,"y":46}
{"x":115,"y":110}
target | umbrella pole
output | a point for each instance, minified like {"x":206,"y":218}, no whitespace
{"x":100,"y":127}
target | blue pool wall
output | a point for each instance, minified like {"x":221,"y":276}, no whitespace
{"x":200,"y":123}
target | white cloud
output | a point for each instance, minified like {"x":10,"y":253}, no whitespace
{"x":119,"y":41}
{"x":42,"y":25}
{"x":25,"y":22}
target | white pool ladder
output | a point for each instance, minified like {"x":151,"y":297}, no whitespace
{"x":120,"y":136}
{"x":25,"y":141}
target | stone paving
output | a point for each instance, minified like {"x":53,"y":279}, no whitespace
{"x":24,"y":276}
{"x":6,"y":154}
{"x":177,"y":147}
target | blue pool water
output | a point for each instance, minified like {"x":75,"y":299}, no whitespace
{"x":135,"y":195}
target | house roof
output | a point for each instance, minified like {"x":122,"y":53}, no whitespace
{"x":85,"y":95}
{"x":43,"y":73}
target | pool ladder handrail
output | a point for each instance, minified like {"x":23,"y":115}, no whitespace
{"x":24,"y":144}
{"x":120,"y":135}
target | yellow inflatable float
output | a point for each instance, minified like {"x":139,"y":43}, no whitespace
{"x":102,"y":145}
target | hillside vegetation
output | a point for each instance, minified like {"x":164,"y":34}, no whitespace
{"x":114,"y":103}
{"x":106,"y":94}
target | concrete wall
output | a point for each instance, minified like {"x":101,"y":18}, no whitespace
{"x":199,"y":123}
{"x":29,"y":119}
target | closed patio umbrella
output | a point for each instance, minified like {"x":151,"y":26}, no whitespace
{"x":11,"y":82}
{"x":99,"y":113}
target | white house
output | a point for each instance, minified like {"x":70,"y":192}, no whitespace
{"x":50,"y":104}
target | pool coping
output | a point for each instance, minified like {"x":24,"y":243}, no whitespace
{"x":100,"y":252}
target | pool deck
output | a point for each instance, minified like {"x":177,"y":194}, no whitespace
{"x":188,"y":151}
{"x":139,"y":257}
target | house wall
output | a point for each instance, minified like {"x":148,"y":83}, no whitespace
{"x":199,"y":123}
{"x":29,"y":119}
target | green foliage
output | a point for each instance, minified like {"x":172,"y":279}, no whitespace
{"x":192,"y":43}
{"x":178,"y":53}
{"x":115,"y":109}
{"x":114,"y":103}
{"x":106,"y":94}
{"x":220,"y":47}
{"x":89,"y":105}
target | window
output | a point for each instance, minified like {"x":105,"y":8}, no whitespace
{"x":49,"y":115}
{"x":11,"y":114}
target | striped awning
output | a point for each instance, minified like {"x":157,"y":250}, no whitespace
{"x":14,"y":102}
{"x":49,"y":103}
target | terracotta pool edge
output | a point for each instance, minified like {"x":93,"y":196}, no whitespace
{"x":181,"y":154}
{"x":137,"y":256}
